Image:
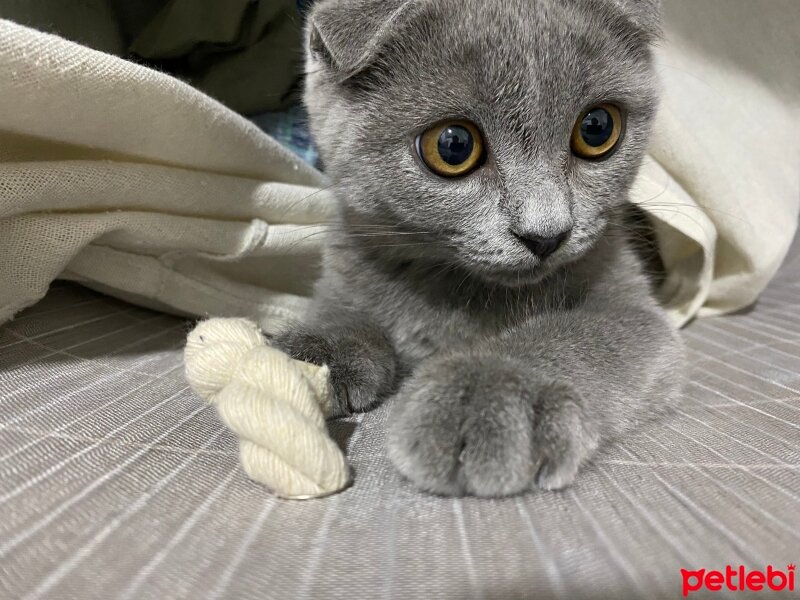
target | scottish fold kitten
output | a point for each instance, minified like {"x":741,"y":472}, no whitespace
{"x":482,"y":152}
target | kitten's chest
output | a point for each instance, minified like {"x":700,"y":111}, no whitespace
{"x":419,"y":331}
{"x":421,"y":322}
{"x":425,"y":312}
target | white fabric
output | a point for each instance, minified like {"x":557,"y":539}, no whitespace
{"x":132,"y":182}
{"x":723,"y":176}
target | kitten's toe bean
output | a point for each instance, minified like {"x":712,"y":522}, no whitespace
{"x":465,"y":426}
{"x":556,"y":475}
{"x":562,"y":440}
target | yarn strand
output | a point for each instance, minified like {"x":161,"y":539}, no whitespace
{"x":275,"y":404}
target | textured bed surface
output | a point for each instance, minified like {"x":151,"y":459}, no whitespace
{"x":116,"y":481}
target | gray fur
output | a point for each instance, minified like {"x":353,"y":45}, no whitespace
{"x":509,"y":371}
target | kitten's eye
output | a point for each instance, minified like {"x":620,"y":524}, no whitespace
{"x":597,"y":131}
{"x":451,"y":149}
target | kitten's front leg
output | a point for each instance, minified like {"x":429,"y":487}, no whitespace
{"x":530,"y":407}
{"x":362,"y":362}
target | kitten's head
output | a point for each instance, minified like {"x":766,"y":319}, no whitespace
{"x":502,"y":134}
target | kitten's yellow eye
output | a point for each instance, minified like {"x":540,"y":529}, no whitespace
{"x":451,"y":149}
{"x":597,"y":131}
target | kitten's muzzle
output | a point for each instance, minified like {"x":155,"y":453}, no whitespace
{"x":541,"y":247}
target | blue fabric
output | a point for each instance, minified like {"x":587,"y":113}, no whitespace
{"x":304,"y":5}
{"x":290,"y":128}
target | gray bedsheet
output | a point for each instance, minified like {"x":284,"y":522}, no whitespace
{"x":116,"y":481}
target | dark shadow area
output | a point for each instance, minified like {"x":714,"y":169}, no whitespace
{"x":73,"y":322}
{"x":341,"y":430}
{"x":245,"y":53}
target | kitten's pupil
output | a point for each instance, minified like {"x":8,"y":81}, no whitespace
{"x":597,"y":127}
{"x":455,"y":145}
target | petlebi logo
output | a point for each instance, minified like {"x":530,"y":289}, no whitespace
{"x":738,"y":579}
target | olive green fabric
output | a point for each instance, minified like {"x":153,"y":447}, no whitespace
{"x":92,"y":23}
{"x":245,"y":53}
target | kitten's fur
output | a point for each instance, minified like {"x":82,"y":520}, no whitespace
{"x":508,"y":371}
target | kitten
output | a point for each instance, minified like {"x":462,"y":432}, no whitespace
{"x":482,"y":152}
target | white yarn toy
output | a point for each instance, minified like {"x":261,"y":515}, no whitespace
{"x":276,"y":405}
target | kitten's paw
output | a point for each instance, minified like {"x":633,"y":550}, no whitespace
{"x":464,"y":426}
{"x":484,"y":426}
{"x":362,"y":367}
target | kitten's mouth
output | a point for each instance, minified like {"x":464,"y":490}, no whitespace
{"x":520,"y":274}
{"x":511,"y":277}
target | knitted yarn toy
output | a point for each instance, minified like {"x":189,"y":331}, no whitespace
{"x":276,"y":405}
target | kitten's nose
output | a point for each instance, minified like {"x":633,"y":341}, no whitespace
{"x":542,"y":246}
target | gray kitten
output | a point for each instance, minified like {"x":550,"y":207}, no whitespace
{"x":482,"y":152}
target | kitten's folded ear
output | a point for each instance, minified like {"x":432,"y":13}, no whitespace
{"x":345,"y":35}
{"x":644,"y":15}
